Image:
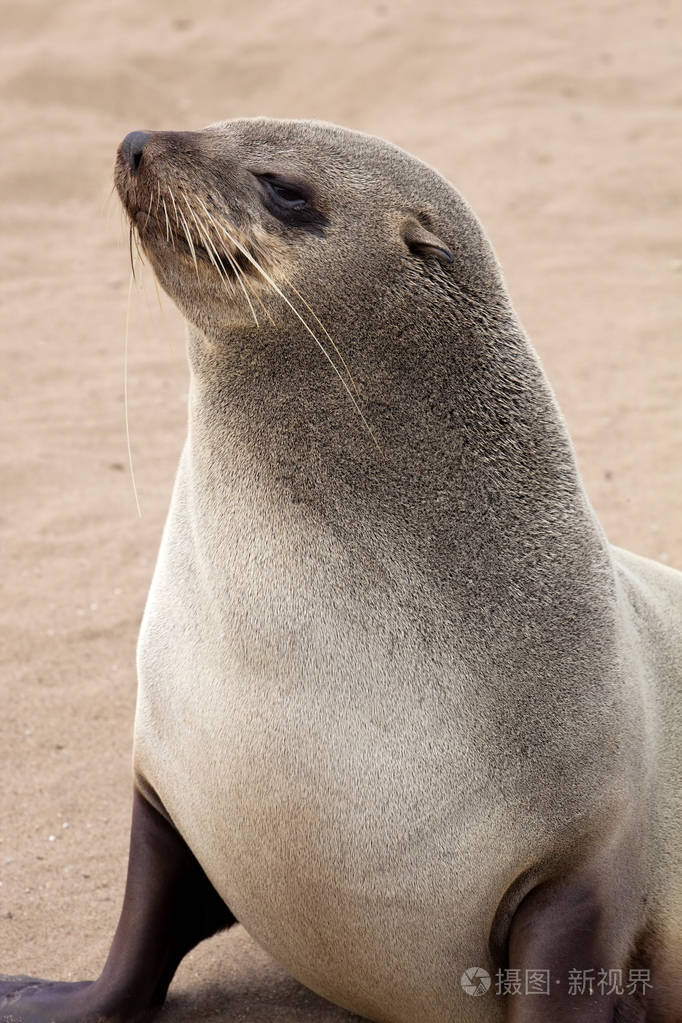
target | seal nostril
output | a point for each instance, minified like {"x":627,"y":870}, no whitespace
{"x":132,"y":148}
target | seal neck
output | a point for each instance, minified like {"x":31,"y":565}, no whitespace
{"x":474,"y":457}
{"x":470,"y":528}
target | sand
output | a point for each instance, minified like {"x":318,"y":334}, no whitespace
{"x":561,"y":125}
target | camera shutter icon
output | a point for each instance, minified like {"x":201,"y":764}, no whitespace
{"x":475,"y":981}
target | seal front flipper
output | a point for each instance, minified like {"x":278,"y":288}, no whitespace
{"x":169,"y":907}
{"x":570,"y":938}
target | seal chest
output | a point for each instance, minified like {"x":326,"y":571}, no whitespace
{"x":329,"y":798}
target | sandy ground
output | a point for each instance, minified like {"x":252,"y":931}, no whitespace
{"x":559,"y":122}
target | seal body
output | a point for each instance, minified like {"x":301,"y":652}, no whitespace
{"x":393,"y":680}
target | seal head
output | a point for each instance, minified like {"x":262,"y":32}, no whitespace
{"x":295,"y":196}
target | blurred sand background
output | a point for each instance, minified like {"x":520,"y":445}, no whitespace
{"x":560,"y":122}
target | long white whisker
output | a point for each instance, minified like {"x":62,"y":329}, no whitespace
{"x":210,"y":249}
{"x":169,"y":233}
{"x":296,"y":313}
{"x":125,"y":396}
{"x":331,"y":339}
{"x":170,"y":192}
{"x":130,"y":246}
{"x":260,"y":303}
{"x":242,"y":284}
{"x":235,"y":267}
{"x":188,"y":235}
{"x":135,"y":239}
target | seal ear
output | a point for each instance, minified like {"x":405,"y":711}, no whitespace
{"x":423,"y":243}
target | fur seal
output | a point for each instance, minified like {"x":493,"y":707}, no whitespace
{"x":402,"y":708}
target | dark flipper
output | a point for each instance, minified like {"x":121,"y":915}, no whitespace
{"x":569,"y":932}
{"x":168,"y":908}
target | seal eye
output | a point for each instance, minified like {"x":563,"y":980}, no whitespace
{"x":290,"y":196}
{"x":293,"y":204}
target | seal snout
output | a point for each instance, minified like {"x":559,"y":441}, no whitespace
{"x":132,"y":148}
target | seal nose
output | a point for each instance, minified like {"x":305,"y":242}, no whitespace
{"x":132,"y":148}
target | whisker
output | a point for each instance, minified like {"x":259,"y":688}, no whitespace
{"x":169,"y":233}
{"x":331,"y":339}
{"x":137,"y":246}
{"x":170,"y":192}
{"x":265,"y":310}
{"x":241,"y":280}
{"x":296,"y":313}
{"x":188,"y":236}
{"x":125,"y":395}
{"x":211,"y":250}
{"x":235,"y":267}
{"x":213,"y":254}
{"x":130,"y":245}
